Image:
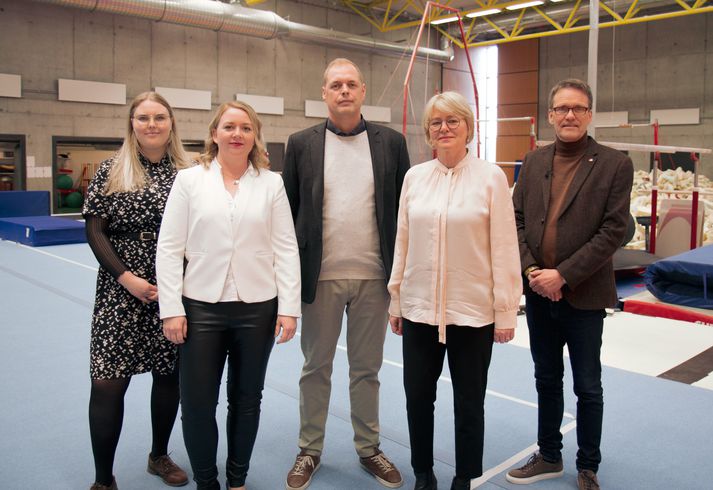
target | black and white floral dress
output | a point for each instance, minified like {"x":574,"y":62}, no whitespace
{"x":126,"y":334}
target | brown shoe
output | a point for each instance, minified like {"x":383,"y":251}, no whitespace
{"x":97,"y":486}
{"x":300,"y":476}
{"x":534,"y":470}
{"x":587,"y":480}
{"x":382,"y":469}
{"x":164,"y":467}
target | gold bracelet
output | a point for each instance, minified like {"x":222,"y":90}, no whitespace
{"x":530,"y":270}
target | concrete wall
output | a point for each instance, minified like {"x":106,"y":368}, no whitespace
{"x":666,"y":64}
{"x":42,"y":43}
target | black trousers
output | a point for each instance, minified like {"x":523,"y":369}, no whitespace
{"x":469,"y":351}
{"x":244,"y":334}
{"x":552,"y":325}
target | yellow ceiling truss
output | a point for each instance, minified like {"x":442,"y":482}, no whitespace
{"x":489,"y":22}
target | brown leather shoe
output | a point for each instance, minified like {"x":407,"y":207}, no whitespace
{"x":300,"y":476}
{"x":587,"y":480}
{"x":97,"y":486}
{"x":382,"y":469}
{"x":164,"y":467}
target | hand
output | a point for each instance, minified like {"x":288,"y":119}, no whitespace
{"x":397,"y":324}
{"x":175,"y":329}
{"x":547,"y":283}
{"x":288,"y":325}
{"x":139,"y":287}
{"x":503,"y":335}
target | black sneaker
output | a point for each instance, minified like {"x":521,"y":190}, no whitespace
{"x":534,"y":470}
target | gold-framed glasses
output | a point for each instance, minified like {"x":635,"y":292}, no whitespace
{"x":158,"y":119}
{"x":563,"y":110}
{"x":451,"y":122}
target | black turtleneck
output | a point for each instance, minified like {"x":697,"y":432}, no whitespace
{"x":566,"y":161}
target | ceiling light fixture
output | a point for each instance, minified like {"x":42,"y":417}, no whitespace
{"x":519,"y":6}
{"x":482,"y":13}
{"x":444,"y":20}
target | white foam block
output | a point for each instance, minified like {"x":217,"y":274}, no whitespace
{"x":264,"y":104}
{"x":10,"y":85}
{"x":94,"y":92}
{"x":182,"y":98}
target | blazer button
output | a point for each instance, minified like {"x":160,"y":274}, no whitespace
{"x":542,"y":220}
{"x":537,"y":245}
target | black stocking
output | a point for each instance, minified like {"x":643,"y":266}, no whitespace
{"x":164,"y":406}
{"x":106,"y":415}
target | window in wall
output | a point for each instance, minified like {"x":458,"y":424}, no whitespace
{"x":486,"y":77}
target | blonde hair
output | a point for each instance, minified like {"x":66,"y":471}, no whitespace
{"x":341,"y":61}
{"x":127,"y":174}
{"x":450,"y":103}
{"x":258,"y":154}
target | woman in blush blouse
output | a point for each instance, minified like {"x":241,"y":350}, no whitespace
{"x":229,"y":274}
{"x":455,"y":286}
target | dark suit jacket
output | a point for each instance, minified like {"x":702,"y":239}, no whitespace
{"x":303,"y":174}
{"x":591,"y":226}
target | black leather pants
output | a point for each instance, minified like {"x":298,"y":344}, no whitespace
{"x":244,"y":334}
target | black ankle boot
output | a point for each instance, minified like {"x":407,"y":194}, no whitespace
{"x":426,"y":481}
{"x":460,"y":483}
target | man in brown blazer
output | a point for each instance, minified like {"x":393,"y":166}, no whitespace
{"x":571,"y":208}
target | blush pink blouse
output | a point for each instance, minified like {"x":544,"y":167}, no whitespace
{"x":456,"y":259}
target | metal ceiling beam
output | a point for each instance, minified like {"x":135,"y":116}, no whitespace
{"x":528,"y":23}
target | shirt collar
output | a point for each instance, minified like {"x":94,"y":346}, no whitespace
{"x":360,"y":128}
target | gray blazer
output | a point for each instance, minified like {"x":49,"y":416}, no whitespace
{"x":591,"y":226}
{"x":303,"y":175}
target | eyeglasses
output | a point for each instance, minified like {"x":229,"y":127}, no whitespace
{"x":436,"y":124}
{"x":563,"y":110}
{"x":158,"y":119}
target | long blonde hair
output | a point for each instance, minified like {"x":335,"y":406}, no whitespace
{"x":258,"y":154}
{"x":127,"y":174}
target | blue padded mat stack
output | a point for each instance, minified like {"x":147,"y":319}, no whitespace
{"x":24,"y":218}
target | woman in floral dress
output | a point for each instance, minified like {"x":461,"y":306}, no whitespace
{"x":123,"y":210}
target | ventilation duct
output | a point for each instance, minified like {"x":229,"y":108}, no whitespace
{"x":235,"y":19}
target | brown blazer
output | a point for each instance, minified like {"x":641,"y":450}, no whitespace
{"x":591,"y":226}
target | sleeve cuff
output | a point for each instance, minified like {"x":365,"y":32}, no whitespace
{"x":506,"y":319}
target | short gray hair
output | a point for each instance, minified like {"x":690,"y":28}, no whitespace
{"x":574,"y":83}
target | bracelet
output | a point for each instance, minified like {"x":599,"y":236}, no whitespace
{"x":529,"y":270}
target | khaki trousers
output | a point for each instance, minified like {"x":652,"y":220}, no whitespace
{"x":366,"y":303}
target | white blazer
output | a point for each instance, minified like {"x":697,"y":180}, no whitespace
{"x":196,"y":226}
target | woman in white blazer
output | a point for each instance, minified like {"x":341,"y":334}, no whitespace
{"x":228,"y":270}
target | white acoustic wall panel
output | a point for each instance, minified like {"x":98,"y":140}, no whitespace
{"x":611,"y":119}
{"x":317,"y":108}
{"x":10,"y":85}
{"x":677,"y":116}
{"x":376,"y":113}
{"x":264,"y":104}
{"x":181,"y":98}
{"x":95,"y":92}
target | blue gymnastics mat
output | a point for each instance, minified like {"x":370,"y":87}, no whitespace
{"x":38,"y":231}
{"x":24,"y":203}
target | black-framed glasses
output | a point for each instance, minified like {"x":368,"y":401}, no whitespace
{"x":451,"y":122}
{"x":563,"y":110}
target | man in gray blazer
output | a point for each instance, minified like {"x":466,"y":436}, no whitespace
{"x":571,"y":209}
{"x":343,"y":179}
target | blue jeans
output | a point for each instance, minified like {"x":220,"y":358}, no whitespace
{"x":552,"y":325}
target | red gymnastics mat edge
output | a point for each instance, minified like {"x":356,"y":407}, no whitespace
{"x":665,"y":310}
